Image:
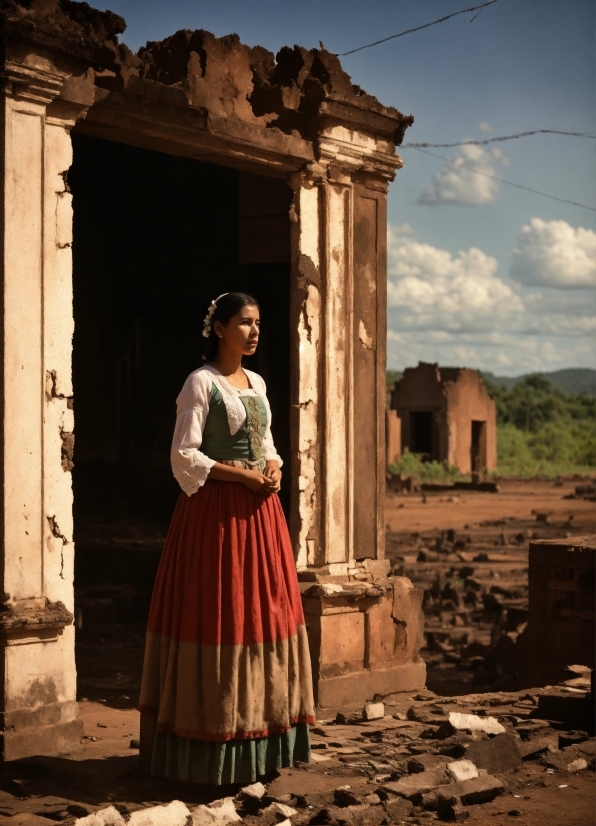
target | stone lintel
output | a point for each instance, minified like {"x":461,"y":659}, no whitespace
{"x":166,"y":123}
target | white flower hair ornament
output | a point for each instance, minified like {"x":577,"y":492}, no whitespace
{"x":209,"y":316}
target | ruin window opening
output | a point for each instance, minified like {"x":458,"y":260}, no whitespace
{"x":421,"y":433}
{"x":478,"y":448}
{"x":156,"y":238}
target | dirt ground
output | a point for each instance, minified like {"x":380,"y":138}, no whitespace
{"x":468,"y":552}
{"x":521,"y":499}
{"x":429,"y":537}
{"x":104,"y":771}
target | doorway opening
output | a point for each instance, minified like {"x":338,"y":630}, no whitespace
{"x":478,"y":447}
{"x":156,"y":238}
{"x":421,"y":433}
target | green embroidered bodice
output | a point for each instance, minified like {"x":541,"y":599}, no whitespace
{"x":219,"y":444}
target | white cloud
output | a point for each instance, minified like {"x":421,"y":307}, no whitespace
{"x":548,"y":301}
{"x":485,"y":127}
{"x":505,"y":354}
{"x":463,"y":180}
{"x":456,"y":310}
{"x":429,"y":288}
{"x":554,"y":254}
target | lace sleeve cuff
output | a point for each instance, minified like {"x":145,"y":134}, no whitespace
{"x":192,"y":472}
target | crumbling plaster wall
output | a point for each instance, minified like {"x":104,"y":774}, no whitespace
{"x":295,"y":115}
{"x":36,"y":613}
{"x":561,"y":627}
{"x":468,"y":400}
{"x":420,"y":389}
{"x":456,"y":397}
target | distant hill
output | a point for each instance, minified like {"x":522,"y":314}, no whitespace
{"x":571,"y":380}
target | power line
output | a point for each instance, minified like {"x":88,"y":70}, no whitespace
{"x":419,"y":28}
{"x":502,"y":180}
{"x":501,"y":138}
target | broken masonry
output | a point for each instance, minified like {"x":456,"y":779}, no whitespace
{"x":301,"y":159}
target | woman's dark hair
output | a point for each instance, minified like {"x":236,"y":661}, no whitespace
{"x":226,"y":308}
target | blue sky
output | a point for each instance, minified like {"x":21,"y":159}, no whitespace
{"x":480,"y":273}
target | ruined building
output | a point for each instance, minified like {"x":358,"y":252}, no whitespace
{"x":136,"y":188}
{"x":443,"y":414}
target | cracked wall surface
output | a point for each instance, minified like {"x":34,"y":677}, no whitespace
{"x":296,"y":116}
{"x":456,"y":397}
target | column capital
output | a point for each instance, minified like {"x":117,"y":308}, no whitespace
{"x":34,"y":85}
{"x":355,"y":154}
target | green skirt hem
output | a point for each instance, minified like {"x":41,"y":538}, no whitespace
{"x":234,"y":761}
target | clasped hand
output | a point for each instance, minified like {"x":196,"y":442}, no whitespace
{"x":263,"y":483}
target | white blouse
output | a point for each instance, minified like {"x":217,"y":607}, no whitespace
{"x":189,"y":466}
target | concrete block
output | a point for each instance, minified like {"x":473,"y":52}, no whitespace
{"x":344,"y":796}
{"x":379,"y":568}
{"x":407,"y":609}
{"x":351,"y":689}
{"x":498,"y":755}
{"x":275,"y":809}
{"x":373,"y":711}
{"x":104,"y":817}
{"x":530,"y":748}
{"x":424,"y":762}
{"x":472,"y":722}
{"x":567,"y":760}
{"x":254,"y":791}
{"x":577,"y":765}
{"x":172,"y":814}
{"x":353,"y":816}
{"x":382,"y":640}
{"x":31,"y":741}
{"x":478,"y":790}
{"x":453,"y":811}
{"x":462,"y":770}
{"x":398,"y":809}
{"x":342,"y":643}
{"x":413,"y":786}
{"x":217,"y":813}
{"x":561,"y":628}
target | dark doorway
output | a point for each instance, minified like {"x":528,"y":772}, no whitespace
{"x":421,"y":432}
{"x":156,"y":238}
{"x":478,"y":450}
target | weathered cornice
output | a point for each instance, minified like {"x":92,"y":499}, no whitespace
{"x":287,"y":104}
{"x":33,"y":616}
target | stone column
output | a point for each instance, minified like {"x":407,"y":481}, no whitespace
{"x":39,"y":710}
{"x":339,"y":300}
{"x":365,"y":627}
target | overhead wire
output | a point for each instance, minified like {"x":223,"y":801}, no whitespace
{"x":486,"y":141}
{"x":502,"y":180}
{"x":419,"y":28}
{"x":422,"y":147}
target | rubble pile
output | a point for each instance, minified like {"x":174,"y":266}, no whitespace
{"x":416,"y":759}
{"x":475,"y":583}
{"x":444,"y":758}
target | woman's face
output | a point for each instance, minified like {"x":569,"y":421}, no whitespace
{"x":241,"y":334}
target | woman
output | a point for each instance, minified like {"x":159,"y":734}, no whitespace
{"x":226,"y":680}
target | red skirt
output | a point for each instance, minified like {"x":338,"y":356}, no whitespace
{"x":226,"y":655}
